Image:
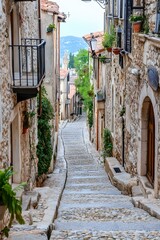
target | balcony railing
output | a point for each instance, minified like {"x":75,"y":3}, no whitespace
{"x":28,"y":63}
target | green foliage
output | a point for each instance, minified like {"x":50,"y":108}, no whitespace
{"x":8,"y":198}
{"x":71,"y":61}
{"x":145,"y":25}
{"x":83,"y":85}
{"x":44,"y":147}
{"x":109,"y":38}
{"x":136,"y":18}
{"x":51,"y":27}
{"x":122,"y":112}
{"x":107,"y":143}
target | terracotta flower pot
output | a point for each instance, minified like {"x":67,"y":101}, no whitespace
{"x":116,"y":51}
{"x":136,"y":27}
{"x":109,"y":49}
{"x":25,"y":130}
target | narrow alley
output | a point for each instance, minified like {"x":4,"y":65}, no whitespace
{"x":91,"y":207}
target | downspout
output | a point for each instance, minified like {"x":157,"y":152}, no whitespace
{"x":39,"y":32}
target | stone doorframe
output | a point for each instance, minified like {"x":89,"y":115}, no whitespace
{"x":147,"y":96}
{"x":15,"y":144}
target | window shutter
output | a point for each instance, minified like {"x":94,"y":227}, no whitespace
{"x":157,"y":30}
{"x":127,"y":26}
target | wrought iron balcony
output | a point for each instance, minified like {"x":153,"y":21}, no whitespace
{"x":28,"y":67}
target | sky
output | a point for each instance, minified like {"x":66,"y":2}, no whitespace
{"x":84,"y":17}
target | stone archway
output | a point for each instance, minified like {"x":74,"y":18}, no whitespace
{"x":148,"y":114}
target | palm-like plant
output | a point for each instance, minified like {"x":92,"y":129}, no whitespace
{"x":8,"y":198}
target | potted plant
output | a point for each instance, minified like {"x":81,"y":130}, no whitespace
{"x":104,"y":59}
{"x":109,"y":39}
{"x":51,"y":27}
{"x":8,"y":199}
{"x":136,"y":21}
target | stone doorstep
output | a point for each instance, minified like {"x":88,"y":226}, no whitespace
{"x":146,"y":187}
{"x":120,"y":179}
{"x":152,"y":206}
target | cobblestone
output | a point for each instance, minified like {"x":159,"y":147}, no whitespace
{"x":91,"y":208}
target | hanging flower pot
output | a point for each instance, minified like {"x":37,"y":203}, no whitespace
{"x":116,"y":51}
{"x":109,"y":49}
{"x":26,"y":122}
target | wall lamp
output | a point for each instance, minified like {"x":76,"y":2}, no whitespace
{"x":93,"y":45}
{"x":102,"y":3}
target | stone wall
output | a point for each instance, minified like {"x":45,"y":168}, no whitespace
{"x":27,"y":160}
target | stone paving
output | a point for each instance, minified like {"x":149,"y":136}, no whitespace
{"x":91,"y":207}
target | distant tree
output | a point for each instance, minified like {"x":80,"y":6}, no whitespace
{"x":83,"y":85}
{"x":71,"y":61}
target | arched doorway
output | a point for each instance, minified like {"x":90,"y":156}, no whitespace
{"x":148,"y":141}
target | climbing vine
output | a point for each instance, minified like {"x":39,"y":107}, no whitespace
{"x":44,"y":147}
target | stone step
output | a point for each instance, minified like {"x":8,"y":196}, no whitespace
{"x":92,"y":197}
{"x":100,"y":204}
{"x":109,"y":226}
{"x":110,"y":191}
{"x":104,"y":235}
{"x":105,"y":214}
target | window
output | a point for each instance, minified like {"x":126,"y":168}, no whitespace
{"x":127,"y":26}
{"x":121,"y":9}
{"x":115,"y":12}
{"x":157,"y":29}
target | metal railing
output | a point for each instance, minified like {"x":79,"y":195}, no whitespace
{"x":28,"y":62}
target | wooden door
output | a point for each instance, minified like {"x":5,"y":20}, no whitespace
{"x":151,"y":145}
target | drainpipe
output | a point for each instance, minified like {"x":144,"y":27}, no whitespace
{"x":123,"y":150}
{"x":39,"y":18}
{"x":39,"y":32}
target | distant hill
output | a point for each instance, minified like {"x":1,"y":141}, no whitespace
{"x":71,"y":44}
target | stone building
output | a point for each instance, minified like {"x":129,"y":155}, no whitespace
{"x":21,"y":75}
{"x":64,"y":90}
{"x":51,"y":18}
{"x":131,"y":84}
{"x":132,"y":92}
{"x":50,"y":15}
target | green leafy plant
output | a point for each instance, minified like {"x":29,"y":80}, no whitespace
{"x":122,"y":112}
{"x":44,"y":147}
{"x":107,"y":143}
{"x":8,"y":198}
{"x":51,"y":27}
{"x":109,"y":38}
{"x":136,"y":18}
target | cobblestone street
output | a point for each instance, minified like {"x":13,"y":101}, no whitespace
{"x":91,"y":207}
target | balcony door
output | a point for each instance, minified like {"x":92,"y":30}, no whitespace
{"x":14,"y":38}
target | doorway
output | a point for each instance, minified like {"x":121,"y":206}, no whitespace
{"x":15,"y":150}
{"x":151,"y":145}
{"x":148,"y":141}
